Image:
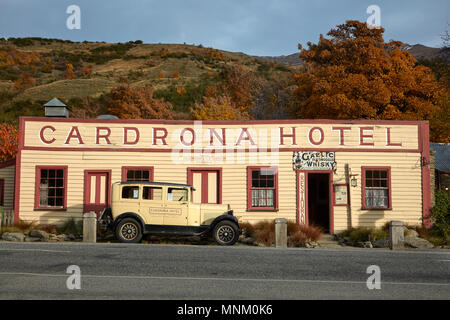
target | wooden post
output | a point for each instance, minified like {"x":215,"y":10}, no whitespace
{"x":90,"y":227}
{"x":396,"y":235}
{"x":280,"y":233}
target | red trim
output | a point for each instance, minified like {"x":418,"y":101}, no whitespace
{"x":190,"y":180}
{"x":212,"y":122}
{"x":424,"y":138}
{"x":249,"y":189}
{"x":2,"y":191}
{"x":18,"y":169}
{"x":37,"y":181}
{"x":334,"y":195}
{"x":363,"y":187}
{"x":125,"y":169}
{"x":219,"y":150}
{"x":87,"y":187}
{"x":7,"y":163}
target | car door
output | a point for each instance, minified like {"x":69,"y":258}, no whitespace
{"x":176,"y":206}
{"x":152,"y":205}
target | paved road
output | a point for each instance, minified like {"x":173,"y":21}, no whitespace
{"x":117,"y":271}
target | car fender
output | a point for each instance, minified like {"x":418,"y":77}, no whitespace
{"x":129,"y":215}
{"x":223,"y":217}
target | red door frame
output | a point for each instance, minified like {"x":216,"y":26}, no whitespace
{"x":87,"y":187}
{"x":331,"y":195}
{"x":190,"y":173}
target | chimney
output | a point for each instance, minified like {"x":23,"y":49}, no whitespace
{"x":55,"y":108}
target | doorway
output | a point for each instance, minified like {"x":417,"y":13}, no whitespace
{"x":319,"y":200}
{"x":97,"y":185}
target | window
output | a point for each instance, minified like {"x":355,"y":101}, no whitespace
{"x":376,"y":185}
{"x":137,"y":174}
{"x":130,"y":192}
{"x":152,"y":193}
{"x":175,"y":194}
{"x":51,"y":187}
{"x":262,"y":188}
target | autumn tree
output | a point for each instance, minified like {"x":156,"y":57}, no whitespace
{"x":354,"y":74}
{"x":69,"y":73}
{"x":25,"y":81}
{"x":8,"y":141}
{"x":239,"y":85}
{"x":217,"y":108}
{"x":138,"y":103}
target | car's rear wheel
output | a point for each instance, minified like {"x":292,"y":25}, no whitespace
{"x":226,"y":233}
{"x":129,"y":231}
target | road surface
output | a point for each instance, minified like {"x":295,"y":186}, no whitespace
{"x":119,"y":271}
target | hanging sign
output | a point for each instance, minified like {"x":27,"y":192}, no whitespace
{"x":314,"y":160}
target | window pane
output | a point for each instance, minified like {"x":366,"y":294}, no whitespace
{"x":368,"y":174}
{"x":152,"y":193}
{"x":130,"y":192}
{"x":175,"y":194}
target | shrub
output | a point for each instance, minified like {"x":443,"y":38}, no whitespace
{"x":440,"y":213}
{"x":22,"y":226}
{"x":49,"y":228}
{"x":72,"y":226}
{"x":363,"y":234}
{"x":298,"y":235}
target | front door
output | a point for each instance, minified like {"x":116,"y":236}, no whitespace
{"x":97,"y":186}
{"x":318,"y":190}
{"x":207,"y":184}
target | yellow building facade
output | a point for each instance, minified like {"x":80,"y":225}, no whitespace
{"x":334,"y":174}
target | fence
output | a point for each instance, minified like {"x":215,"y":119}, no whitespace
{"x":7,"y":217}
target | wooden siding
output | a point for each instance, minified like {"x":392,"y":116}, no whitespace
{"x":405,"y":170}
{"x":8,"y":173}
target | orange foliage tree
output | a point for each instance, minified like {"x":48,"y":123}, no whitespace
{"x":240,"y":84}
{"x":217,"y":108}
{"x":25,"y":81}
{"x":356,"y":75}
{"x":69,"y":74}
{"x":8,"y":141}
{"x":138,"y":103}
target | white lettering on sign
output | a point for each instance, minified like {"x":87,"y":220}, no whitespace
{"x":302,"y":204}
{"x":314,"y":160}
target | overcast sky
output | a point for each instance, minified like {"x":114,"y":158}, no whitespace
{"x":256,"y":27}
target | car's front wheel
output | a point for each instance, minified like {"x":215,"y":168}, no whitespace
{"x":129,"y":231}
{"x":226,"y":233}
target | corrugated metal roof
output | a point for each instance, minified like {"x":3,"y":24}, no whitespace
{"x":54,"y":103}
{"x":442,"y":156}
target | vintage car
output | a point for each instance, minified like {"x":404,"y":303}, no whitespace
{"x":139,"y":208}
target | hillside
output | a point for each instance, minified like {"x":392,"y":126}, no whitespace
{"x":34,"y":70}
{"x":418,"y":51}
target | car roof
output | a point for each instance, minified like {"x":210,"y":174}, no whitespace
{"x":170,"y":184}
